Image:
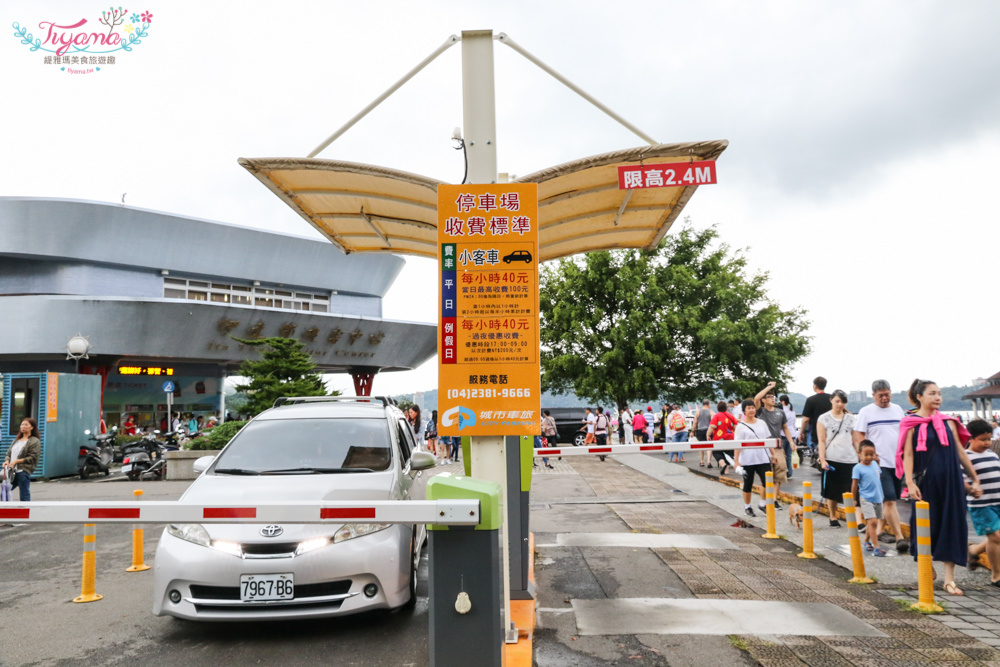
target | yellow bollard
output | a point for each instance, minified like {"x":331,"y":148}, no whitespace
{"x":857,"y":557}
{"x":807,"y":522}
{"x":87,"y":593}
{"x":772,"y":533}
{"x":138,"y":564}
{"x":925,"y":571}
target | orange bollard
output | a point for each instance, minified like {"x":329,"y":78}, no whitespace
{"x":87,"y":588}
{"x":807,"y":522}
{"x":925,"y":570}
{"x":138,"y":564}
{"x":857,"y":557}
{"x":772,"y":533}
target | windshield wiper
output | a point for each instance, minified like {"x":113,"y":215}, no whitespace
{"x":314,"y":471}
{"x":236,"y":471}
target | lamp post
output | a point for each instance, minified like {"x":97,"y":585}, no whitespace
{"x":77,"y":348}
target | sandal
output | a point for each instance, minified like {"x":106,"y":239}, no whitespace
{"x":880,"y":552}
{"x":952,"y":588}
{"x":869,"y":548}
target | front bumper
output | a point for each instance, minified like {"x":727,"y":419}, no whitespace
{"x":329,"y":581}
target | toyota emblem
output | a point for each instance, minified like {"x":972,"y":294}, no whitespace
{"x":271,"y":531}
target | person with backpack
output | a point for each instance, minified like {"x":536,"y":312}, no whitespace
{"x":722,"y":427}
{"x":679,"y":431}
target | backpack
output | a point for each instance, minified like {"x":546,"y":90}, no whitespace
{"x":677,"y":422}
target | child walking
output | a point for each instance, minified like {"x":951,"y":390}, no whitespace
{"x":866,"y":486}
{"x":985,"y":509}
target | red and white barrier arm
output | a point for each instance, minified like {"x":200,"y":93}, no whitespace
{"x":443,"y":512}
{"x":661,"y":448}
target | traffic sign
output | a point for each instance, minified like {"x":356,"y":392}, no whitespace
{"x":168,"y":387}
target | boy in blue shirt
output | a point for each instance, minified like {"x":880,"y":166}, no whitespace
{"x":867,"y":481}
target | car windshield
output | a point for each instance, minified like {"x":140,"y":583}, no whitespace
{"x":304,"y":446}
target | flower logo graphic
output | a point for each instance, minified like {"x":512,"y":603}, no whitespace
{"x":128,"y":27}
{"x":134,"y":18}
{"x":147,"y":17}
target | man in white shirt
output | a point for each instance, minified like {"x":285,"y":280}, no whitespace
{"x":879,"y":422}
{"x":590,"y":419}
{"x":996,"y":430}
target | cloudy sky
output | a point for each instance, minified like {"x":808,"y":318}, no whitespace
{"x":863,"y":137}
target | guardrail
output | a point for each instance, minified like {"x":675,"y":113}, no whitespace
{"x":452,"y":512}
{"x":663,"y":448}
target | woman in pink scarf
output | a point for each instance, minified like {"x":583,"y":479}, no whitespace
{"x":931,"y":456}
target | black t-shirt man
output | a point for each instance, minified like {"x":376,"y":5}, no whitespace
{"x":816,"y":405}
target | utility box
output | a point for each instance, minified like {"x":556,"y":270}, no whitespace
{"x":64,"y":405}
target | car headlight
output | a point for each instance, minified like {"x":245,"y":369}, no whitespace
{"x":351,"y":530}
{"x":190,"y":532}
{"x":311,"y":545}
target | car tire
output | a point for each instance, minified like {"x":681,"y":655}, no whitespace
{"x":579,"y":440}
{"x":414,"y":561}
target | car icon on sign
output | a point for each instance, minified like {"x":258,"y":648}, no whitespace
{"x":518,"y":256}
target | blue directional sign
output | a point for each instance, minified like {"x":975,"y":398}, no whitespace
{"x":168,"y":387}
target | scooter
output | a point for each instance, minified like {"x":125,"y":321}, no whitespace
{"x":145,"y":459}
{"x":97,"y":454}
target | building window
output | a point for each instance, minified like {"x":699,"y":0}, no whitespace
{"x":244,"y":295}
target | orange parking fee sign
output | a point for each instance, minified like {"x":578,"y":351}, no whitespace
{"x":488,"y":358}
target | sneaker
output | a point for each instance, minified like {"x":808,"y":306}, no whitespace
{"x":777,"y":505}
{"x":880,"y":552}
{"x":903,"y":545}
{"x":834,"y":523}
{"x":749,"y":511}
{"x":862,"y":528}
{"x":762,"y":507}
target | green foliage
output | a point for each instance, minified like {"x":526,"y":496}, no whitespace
{"x":403,"y":403}
{"x":683,"y":322}
{"x":284,"y":369}
{"x":215,"y":437}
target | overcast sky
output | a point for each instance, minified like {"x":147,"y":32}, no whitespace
{"x":863,"y":137}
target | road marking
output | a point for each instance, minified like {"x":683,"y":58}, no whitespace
{"x":641,"y":540}
{"x":671,"y":616}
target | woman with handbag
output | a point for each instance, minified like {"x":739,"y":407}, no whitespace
{"x":931,"y":455}
{"x":22,"y":457}
{"x":837,"y":454}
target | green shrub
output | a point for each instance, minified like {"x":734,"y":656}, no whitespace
{"x":215,"y":437}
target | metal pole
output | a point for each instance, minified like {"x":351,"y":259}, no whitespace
{"x":488,"y":456}
{"x":451,"y":41}
{"x":505,"y":39}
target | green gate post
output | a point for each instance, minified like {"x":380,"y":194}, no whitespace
{"x":464,"y":564}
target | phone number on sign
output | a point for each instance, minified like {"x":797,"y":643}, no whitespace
{"x":488,"y":392}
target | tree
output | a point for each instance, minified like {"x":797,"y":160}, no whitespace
{"x":283,"y":370}
{"x":683,"y":322}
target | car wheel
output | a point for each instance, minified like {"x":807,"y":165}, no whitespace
{"x":579,"y":440}
{"x":414,"y":561}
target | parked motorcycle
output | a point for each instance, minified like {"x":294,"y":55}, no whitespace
{"x":97,"y":454}
{"x":145,"y":459}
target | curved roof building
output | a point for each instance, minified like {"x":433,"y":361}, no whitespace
{"x":154,"y":292}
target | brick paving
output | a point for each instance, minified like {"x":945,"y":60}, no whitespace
{"x":770,"y":570}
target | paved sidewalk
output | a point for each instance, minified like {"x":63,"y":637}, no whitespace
{"x":594,"y":574}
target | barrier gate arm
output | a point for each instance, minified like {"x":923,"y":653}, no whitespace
{"x":665,"y":448}
{"x":451,"y":512}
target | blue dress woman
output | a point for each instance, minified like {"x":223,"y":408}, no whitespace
{"x":932,"y":457}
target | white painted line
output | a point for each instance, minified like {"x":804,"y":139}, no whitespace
{"x":641,"y":540}
{"x":667,"y":616}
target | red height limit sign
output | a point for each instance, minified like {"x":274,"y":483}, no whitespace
{"x":669,"y":175}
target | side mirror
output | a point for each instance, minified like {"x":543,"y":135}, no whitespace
{"x":200,"y":465}
{"x":422,"y":461}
